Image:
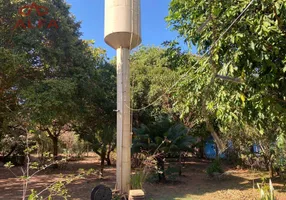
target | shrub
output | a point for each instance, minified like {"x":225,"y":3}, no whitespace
{"x":80,"y":148}
{"x":73,"y":145}
{"x":215,"y":167}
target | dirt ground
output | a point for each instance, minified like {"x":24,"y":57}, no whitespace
{"x":193,"y":185}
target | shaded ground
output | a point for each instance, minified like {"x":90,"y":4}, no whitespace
{"x":196,"y":185}
{"x":193,"y":185}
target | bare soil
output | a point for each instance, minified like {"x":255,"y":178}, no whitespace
{"x":194,"y":184}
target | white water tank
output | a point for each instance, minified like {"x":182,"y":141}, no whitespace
{"x":122,"y":23}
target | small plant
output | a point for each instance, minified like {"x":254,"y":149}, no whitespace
{"x":138,"y":179}
{"x":56,"y":188}
{"x":215,"y":167}
{"x":266,"y":191}
{"x":143,"y":173}
{"x":280,"y":168}
{"x":118,"y":196}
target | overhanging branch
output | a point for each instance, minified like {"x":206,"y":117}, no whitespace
{"x":227,"y":78}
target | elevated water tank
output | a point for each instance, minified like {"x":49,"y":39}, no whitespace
{"x":122,"y":23}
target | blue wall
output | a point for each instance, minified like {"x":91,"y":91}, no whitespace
{"x":210,"y":149}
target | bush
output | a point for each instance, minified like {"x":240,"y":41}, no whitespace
{"x":80,"y":148}
{"x":12,"y":148}
{"x":280,"y":168}
{"x":73,"y":145}
{"x":215,"y":167}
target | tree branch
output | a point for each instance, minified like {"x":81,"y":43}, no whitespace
{"x":227,"y":78}
{"x":49,"y":132}
{"x":280,"y":25}
{"x":58,"y":133}
{"x":97,"y":152}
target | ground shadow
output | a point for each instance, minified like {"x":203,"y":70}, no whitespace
{"x":193,"y":185}
{"x":11,"y":187}
{"x":196,"y":184}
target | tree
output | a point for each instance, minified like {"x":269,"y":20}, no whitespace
{"x":12,"y":79}
{"x":97,"y":120}
{"x":151,"y":76}
{"x":163,"y":138}
{"x":103,"y":140}
{"x":51,"y":106}
{"x":179,"y":141}
{"x":58,"y":65}
{"x":242,"y":79}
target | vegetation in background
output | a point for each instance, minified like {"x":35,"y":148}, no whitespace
{"x":63,"y":89}
{"x":240,"y":83}
{"x":215,"y":167}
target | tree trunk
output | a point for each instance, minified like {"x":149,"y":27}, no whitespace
{"x":161,"y":168}
{"x":55,"y":147}
{"x":201,"y":149}
{"x":216,"y":152}
{"x":13,"y":148}
{"x":270,"y":169}
{"x":180,"y":164}
{"x":266,"y":162}
{"x":108,"y":161}
{"x":219,"y":144}
{"x":102,"y":159}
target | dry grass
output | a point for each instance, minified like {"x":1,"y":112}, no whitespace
{"x":193,"y":185}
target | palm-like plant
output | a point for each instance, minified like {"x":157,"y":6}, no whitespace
{"x":165,"y":138}
{"x":179,"y":141}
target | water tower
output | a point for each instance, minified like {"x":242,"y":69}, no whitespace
{"x":123,"y":33}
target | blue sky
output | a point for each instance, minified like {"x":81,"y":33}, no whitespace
{"x":154,"y":28}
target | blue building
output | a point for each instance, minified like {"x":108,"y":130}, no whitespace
{"x":210,"y":149}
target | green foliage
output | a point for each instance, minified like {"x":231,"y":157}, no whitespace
{"x":97,"y":121}
{"x":49,"y":82}
{"x":239,"y":85}
{"x":33,"y":196}
{"x":44,"y":144}
{"x":118,"y":196}
{"x":12,"y":71}
{"x":51,"y":100}
{"x":49,"y":71}
{"x":215,"y":167}
{"x":164,"y":139}
{"x":149,"y":138}
{"x":101,"y":139}
{"x":178,"y":138}
{"x":80,"y":148}
{"x":72,"y":145}
{"x":9,"y":165}
{"x":150,"y":77}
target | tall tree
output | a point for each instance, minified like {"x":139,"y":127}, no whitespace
{"x":59,"y":65}
{"x":151,"y":77}
{"x":242,"y":80}
{"x":97,"y":120}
